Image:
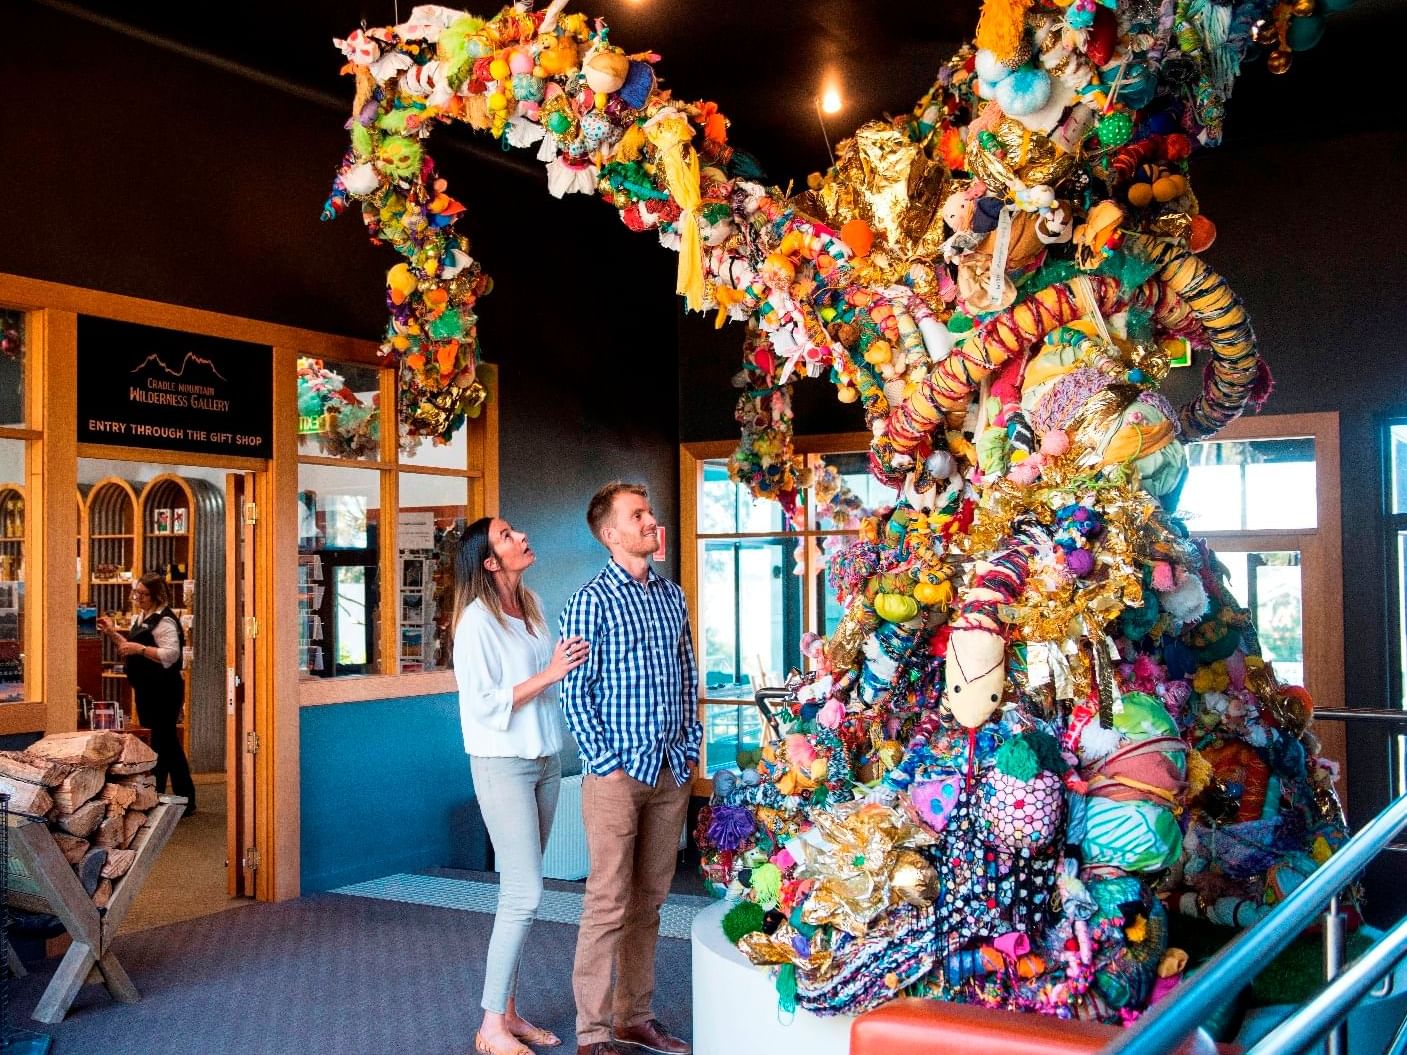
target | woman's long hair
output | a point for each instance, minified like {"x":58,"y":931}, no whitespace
{"x":473,"y":582}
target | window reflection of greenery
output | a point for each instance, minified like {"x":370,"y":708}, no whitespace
{"x":735,"y":625}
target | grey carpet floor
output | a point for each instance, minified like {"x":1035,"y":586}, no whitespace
{"x":324,"y":975}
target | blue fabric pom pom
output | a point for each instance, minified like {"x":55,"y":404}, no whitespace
{"x":1024,"y":92}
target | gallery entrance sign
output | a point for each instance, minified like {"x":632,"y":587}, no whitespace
{"x":141,"y":386}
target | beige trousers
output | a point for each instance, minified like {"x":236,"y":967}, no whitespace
{"x":632,"y":835}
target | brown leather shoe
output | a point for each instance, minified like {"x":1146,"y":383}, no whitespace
{"x":652,"y":1036}
{"x":601,"y":1047}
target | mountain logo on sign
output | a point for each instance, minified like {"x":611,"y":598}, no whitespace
{"x":191,"y":357}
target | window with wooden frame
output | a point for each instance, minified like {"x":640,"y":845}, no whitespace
{"x":1264,"y":492}
{"x":378,"y":516}
{"x":756,"y":583}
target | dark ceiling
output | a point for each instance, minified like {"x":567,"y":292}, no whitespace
{"x":763,"y":61}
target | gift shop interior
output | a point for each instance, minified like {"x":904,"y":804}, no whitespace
{"x":1021,"y":406}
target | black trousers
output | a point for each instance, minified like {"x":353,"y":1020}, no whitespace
{"x":160,"y":714}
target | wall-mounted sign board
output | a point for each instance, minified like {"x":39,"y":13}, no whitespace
{"x":140,"y":386}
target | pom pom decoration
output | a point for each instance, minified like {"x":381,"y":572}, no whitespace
{"x":742,"y":919}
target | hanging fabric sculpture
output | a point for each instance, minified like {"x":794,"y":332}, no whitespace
{"x":1043,"y":722}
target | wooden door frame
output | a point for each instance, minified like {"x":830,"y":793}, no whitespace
{"x":52,"y":470}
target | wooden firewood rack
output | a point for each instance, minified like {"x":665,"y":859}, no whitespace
{"x":42,"y":880}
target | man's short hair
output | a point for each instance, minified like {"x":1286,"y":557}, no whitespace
{"x":598,"y":512}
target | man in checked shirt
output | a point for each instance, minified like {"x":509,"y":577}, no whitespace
{"x":633,"y":707}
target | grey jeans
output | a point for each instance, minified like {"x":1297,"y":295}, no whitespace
{"x":518,"y":797}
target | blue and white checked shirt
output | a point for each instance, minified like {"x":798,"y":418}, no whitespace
{"x":634,"y":703}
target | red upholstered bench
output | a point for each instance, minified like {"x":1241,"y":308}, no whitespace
{"x":932,"y":1027}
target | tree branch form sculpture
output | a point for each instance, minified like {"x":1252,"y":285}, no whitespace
{"x":1007,"y":762}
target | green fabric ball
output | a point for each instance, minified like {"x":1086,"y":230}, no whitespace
{"x":1114,"y":130}
{"x":742,"y":919}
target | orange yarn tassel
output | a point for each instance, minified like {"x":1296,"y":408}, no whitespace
{"x":1000,"y":28}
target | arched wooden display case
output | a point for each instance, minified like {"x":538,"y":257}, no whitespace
{"x":166,"y":506}
{"x":113,"y":563}
{"x":183,"y":539}
{"x":12,"y":565}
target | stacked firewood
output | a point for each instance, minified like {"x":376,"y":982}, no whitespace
{"x":94,"y":791}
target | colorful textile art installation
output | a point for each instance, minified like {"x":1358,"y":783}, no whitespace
{"x":1043,"y":725}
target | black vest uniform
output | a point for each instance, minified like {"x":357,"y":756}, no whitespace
{"x":160,"y":690}
{"x":160,"y":693}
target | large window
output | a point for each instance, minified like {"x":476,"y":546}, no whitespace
{"x":1395,"y":463}
{"x":1265,"y":494}
{"x":378,"y":517}
{"x":1239,"y":488}
{"x":758,"y":583}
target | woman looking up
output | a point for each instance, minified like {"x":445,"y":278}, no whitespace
{"x":507,"y":666}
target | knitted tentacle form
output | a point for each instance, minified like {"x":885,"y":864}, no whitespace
{"x":1186,"y":297}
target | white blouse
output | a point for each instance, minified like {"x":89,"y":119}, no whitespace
{"x":489,"y":659}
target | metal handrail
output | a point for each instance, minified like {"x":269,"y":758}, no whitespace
{"x":1313,"y":1021}
{"x":1164,"y":1027}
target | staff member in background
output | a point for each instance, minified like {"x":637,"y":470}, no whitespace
{"x":634,"y":709}
{"x":151,"y":652}
{"x":506,"y":665}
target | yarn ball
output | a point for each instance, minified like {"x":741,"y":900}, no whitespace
{"x":1097,"y":742}
{"x":1055,"y":443}
{"x":1017,"y":760}
{"x":1026,"y":472}
{"x":939,"y":464}
{"x":1186,"y":602}
{"x":1080,"y":562}
{"x":989,"y":67}
{"x":742,"y":919}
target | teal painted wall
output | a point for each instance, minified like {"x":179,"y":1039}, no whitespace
{"x":380,"y":781}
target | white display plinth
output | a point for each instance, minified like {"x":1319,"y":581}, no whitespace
{"x":735,"y":1003}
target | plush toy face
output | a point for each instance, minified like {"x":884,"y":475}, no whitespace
{"x":976,"y":674}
